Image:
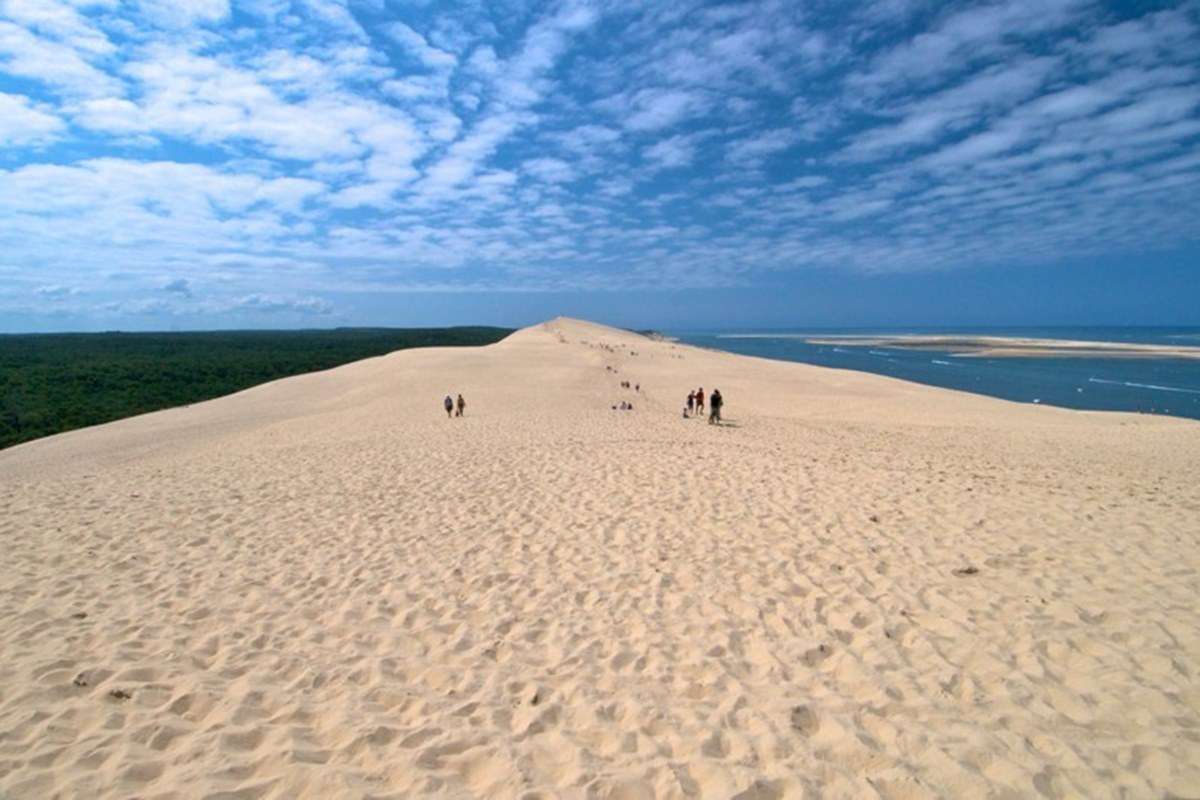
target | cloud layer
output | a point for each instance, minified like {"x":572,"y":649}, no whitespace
{"x":255,"y":157}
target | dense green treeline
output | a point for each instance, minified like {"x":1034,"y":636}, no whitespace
{"x":50,"y":383}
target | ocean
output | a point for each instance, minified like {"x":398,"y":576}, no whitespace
{"x":1153,"y":385}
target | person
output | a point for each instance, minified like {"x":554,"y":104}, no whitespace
{"x":448,"y":404}
{"x":691,"y":402}
{"x":700,"y":400}
{"x":462,"y":406}
{"x":714,"y":405}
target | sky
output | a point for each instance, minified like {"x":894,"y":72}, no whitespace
{"x":201,"y":164}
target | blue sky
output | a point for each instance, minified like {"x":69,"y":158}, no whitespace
{"x":174,"y":164}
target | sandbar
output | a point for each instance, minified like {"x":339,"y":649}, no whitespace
{"x":1013,"y":347}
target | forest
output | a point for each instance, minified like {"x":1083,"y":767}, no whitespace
{"x":50,"y":383}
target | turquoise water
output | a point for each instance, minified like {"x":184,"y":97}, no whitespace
{"x":1152,"y":386}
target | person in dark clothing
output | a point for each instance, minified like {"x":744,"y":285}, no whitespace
{"x":700,"y":400}
{"x":448,"y":404}
{"x":691,"y":403}
{"x":462,"y":406}
{"x":714,"y":407}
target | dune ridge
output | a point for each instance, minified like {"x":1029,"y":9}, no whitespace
{"x":858,"y":587}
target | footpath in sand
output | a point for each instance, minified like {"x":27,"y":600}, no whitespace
{"x":321,"y":587}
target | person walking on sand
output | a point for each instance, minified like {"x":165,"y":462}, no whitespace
{"x":462,"y":406}
{"x":714,"y":407}
{"x":448,"y":404}
{"x":700,"y":401}
{"x":691,"y":403}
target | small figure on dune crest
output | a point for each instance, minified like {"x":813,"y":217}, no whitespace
{"x":714,"y":405}
{"x":462,"y":406}
{"x":448,"y":404}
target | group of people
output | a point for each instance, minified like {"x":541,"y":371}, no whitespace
{"x":454,"y":408}
{"x":695,"y":405}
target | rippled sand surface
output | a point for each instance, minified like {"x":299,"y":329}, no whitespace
{"x":857,"y":587}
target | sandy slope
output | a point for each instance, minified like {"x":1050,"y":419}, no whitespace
{"x":322,"y":587}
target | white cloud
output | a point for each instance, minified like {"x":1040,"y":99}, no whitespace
{"x":549,"y":170}
{"x":615,"y":187}
{"x":22,"y":123}
{"x":61,"y":21}
{"x":182,"y":13}
{"x":208,"y":101}
{"x":113,"y":202}
{"x":927,"y":119}
{"x":272,"y":304}
{"x":974,"y":148}
{"x":802,"y":183}
{"x":587,"y":139}
{"x":1165,"y":35}
{"x":416,"y":45}
{"x":380,"y":194}
{"x":462,"y":160}
{"x":55,"y":64}
{"x":655,"y":109}
{"x":972,"y":34}
{"x":671,"y":153}
{"x":752,"y":150}
{"x":534,"y":147}
{"x":514,"y":85}
{"x":336,"y":15}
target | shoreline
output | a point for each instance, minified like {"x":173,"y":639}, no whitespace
{"x":1001,"y":346}
{"x":1092,"y":376}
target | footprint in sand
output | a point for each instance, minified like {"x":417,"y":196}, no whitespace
{"x":804,"y":721}
{"x":816,"y":655}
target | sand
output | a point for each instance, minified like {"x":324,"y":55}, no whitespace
{"x":1008,"y":347}
{"x":858,"y":587}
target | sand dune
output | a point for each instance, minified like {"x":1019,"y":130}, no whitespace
{"x":321,"y":587}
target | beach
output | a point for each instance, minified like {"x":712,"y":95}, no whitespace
{"x":855,"y":587}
